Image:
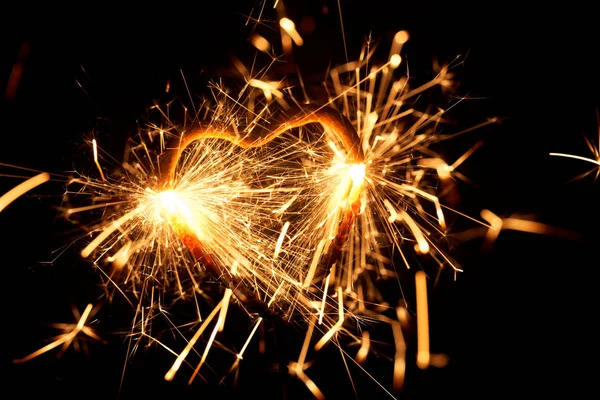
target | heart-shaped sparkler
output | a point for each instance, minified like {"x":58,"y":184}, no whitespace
{"x":332,"y":120}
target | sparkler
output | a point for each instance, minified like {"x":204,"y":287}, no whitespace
{"x":331,"y":120}
{"x":295,"y":209}
{"x":322,"y":261}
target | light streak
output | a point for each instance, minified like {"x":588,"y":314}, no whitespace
{"x":423,"y":355}
{"x":363,"y":352}
{"x":338,"y":325}
{"x":586,"y":159}
{"x":181,"y":357}
{"x":95,"y":149}
{"x":400,"y":355}
{"x":22,"y":188}
{"x":241,"y":353}
{"x":498,"y":224}
{"x":594,"y":149}
{"x":280,"y":240}
{"x":290,"y":28}
{"x":70,"y":336}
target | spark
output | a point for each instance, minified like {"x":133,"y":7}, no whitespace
{"x":423,"y":355}
{"x":362,"y":353}
{"x":260,"y":43}
{"x":399,"y":356}
{"x":310,"y":384}
{"x":594,"y":149}
{"x":241,"y":353}
{"x":498,"y":224}
{"x":70,"y":335}
{"x":22,"y":188}
{"x":290,"y":28}
{"x":586,"y":159}
{"x":338,"y":325}
{"x":280,"y":240}
{"x":177,"y":364}
{"x":297,"y":367}
{"x":95,"y":148}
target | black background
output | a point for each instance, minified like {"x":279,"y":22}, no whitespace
{"x":518,"y":321}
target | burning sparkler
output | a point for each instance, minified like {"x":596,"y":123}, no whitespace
{"x":294,"y":208}
{"x":341,"y":195}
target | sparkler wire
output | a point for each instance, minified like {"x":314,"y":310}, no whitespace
{"x":329,"y":117}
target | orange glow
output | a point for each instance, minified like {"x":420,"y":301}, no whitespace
{"x":423,"y":356}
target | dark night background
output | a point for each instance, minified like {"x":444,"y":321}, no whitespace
{"x":519,"y":320}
